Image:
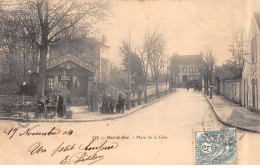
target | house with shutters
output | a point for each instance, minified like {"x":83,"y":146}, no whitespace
{"x":188,"y":69}
{"x":251,"y":70}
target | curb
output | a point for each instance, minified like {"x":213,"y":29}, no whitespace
{"x":228,"y":124}
{"x":92,"y":120}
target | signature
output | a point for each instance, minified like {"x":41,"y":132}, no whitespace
{"x":82,"y":157}
{"x":86,"y":156}
{"x":88,"y":153}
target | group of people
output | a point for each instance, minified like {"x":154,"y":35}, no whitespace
{"x":109,"y":104}
{"x":53,"y":104}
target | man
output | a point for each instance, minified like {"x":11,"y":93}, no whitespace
{"x":40,"y":107}
{"x":104,"y":106}
{"x":111,"y":103}
{"x":121,"y":103}
{"x":60,"y":106}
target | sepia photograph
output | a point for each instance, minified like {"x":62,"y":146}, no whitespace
{"x":129,"y":82}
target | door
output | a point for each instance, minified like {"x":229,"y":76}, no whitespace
{"x":184,"y":78}
{"x":244,"y":93}
{"x":253,"y":93}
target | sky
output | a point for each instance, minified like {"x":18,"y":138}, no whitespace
{"x":188,"y":26}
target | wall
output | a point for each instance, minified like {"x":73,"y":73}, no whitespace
{"x":231,"y":89}
{"x":251,"y":70}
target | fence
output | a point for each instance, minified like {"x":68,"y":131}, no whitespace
{"x":14,"y":99}
{"x":231,"y":89}
{"x":11,"y":102}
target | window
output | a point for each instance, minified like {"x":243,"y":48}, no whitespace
{"x":190,"y":78}
{"x":253,"y":51}
{"x":191,"y":69}
{"x":50,"y":83}
{"x":184,"y":69}
{"x":196,"y":69}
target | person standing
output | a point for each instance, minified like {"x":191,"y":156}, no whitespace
{"x":60,"y":106}
{"x":40,"y":107}
{"x":111,"y":103}
{"x":104,"y":104}
{"x":120,"y":103}
{"x":123,"y":104}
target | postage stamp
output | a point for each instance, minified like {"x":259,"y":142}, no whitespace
{"x":215,"y":147}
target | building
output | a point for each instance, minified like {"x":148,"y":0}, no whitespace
{"x":251,"y":72}
{"x":75,"y":67}
{"x":187,"y":69}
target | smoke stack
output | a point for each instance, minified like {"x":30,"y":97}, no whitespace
{"x":104,"y":39}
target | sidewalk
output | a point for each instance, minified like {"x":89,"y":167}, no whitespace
{"x":232,"y":114}
{"x":82,"y":114}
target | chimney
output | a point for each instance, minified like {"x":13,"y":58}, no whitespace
{"x":104,"y":39}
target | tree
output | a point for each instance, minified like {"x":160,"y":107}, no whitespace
{"x":16,"y":55}
{"x":207,"y":69}
{"x":154,"y":47}
{"x":238,"y":48}
{"x":46,"y":22}
{"x":234,"y":70}
{"x":136,"y":71}
{"x":144,"y":57}
{"x":117,"y":79}
{"x":174,"y":70}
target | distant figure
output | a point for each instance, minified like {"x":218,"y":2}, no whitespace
{"x":69,"y":100}
{"x":104,"y":107}
{"x":197,"y":87}
{"x":47,"y":101}
{"x":60,"y":106}
{"x":111,"y":103}
{"x":120,"y":106}
{"x":188,"y":88}
{"x":100,"y":99}
{"x":91,"y":100}
{"x":40,"y":107}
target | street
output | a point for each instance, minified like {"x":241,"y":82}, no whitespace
{"x":172,"y":120}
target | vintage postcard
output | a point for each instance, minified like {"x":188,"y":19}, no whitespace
{"x":137,"y":82}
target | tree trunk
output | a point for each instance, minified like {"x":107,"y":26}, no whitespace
{"x":157,"y":89}
{"x":206,"y":85}
{"x":145,"y":92}
{"x":44,"y":45}
{"x":42,"y":71}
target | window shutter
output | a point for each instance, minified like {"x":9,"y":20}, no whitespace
{"x":255,"y":49}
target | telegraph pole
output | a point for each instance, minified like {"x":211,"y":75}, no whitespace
{"x":128,"y":69}
{"x":128,"y":73}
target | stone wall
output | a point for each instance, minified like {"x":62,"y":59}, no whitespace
{"x":231,"y":89}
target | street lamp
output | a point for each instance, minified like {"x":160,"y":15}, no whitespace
{"x":64,"y":81}
{"x":64,"y":77}
{"x":211,"y":90}
{"x":166,"y":79}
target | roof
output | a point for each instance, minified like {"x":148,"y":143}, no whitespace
{"x":76,"y":45}
{"x":60,"y":60}
{"x":221,"y":72}
{"x":188,"y":59}
{"x":257,"y":19}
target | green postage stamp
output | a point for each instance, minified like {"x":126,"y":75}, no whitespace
{"x":215,"y":147}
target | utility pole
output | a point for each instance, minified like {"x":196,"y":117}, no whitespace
{"x":166,"y":79}
{"x":128,"y":69}
{"x":128,"y":73}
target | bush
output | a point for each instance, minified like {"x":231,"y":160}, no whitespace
{"x":9,"y":89}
